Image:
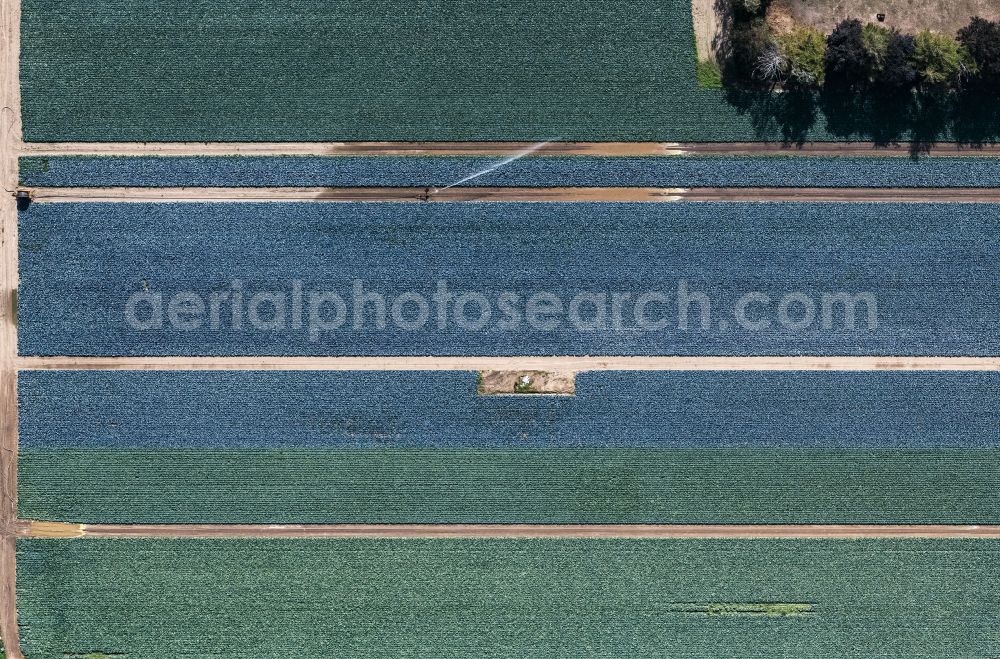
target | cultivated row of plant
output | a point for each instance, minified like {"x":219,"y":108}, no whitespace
{"x":868,"y":58}
{"x":500,"y":597}
{"x":679,"y":171}
{"x":790,"y":485}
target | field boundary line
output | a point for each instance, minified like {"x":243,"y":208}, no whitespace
{"x":514,"y":194}
{"x":31,"y":529}
{"x":496,"y":149}
{"x":567,"y":364}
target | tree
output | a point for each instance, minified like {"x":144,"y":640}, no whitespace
{"x":847,"y":62}
{"x":981,"y":39}
{"x":748,"y":43}
{"x":876,"y":39}
{"x":804,"y":49}
{"x":940,"y":60}
{"x":748,"y":8}
{"x":898,"y":73}
{"x":772,"y":66}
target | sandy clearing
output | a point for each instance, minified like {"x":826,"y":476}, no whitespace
{"x":491,"y":194}
{"x":908,"y":16}
{"x":555,"y":364}
{"x":491,"y":149}
{"x":686,"y":531}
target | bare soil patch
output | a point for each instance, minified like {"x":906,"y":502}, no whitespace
{"x":499,"y":383}
{"x":712,"y":18}
{"x":910,"y":16}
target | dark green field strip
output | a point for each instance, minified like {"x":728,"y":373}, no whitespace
{"x":257,"y":70}
{"x":477,"y":598}
{"x":723,"y":486}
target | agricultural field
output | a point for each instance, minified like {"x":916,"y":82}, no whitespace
{"x":82,"y":263}
{"x":497,"y":512}
{"x":554,"y":171}
{"x":82,"y":410}
{"x":364,"y":598}
{"x":511,"y":486}
{"x":239,"y":70}
{"x":374,"y":448}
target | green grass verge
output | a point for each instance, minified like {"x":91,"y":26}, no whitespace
{"x":491,"y":598}
{"x":709,"y":74}
{"x":949,"y":486}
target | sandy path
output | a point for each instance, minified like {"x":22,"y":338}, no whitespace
{"x":669,"y":531}
{"x":709,"y":17}
{"x":10,"y":132}
{"x":556,"y":364}
{"x":486,"y":149}
{"x":487,"y":194}
{"x":417,"y":195}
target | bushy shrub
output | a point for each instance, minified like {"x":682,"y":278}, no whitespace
{"x":805,"y":49}
{"x":848,"y":62}
{"x":981,"y":39}
{"x":940,"y":59}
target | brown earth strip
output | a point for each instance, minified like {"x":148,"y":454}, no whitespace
{"x":907,"y":16}
{"x":554,"y":364}
{"x":10,"y":131}
{"x":29,"y":529}
{"x":494,"y":149}
{"x":489,"y":194}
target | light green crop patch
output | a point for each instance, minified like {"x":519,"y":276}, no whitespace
{"x":754,"y":599}
{"x":32,"y":165}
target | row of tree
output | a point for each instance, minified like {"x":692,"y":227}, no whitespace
{"x":867,"y":58}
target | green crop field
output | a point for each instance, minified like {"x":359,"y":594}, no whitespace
{"x":257,"y":70}
{"x":755,"y":486}
{"x":438,"y":598}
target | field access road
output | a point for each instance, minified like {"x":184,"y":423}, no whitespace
{"x":29,"y":529}
{"x":10,"y":132}
{"x":471,"y":194}
{"x":549,"y":364}
{"x":494,"y":149}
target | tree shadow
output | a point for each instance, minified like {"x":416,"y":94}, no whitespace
{"x":884,"y":119}
{"x":917,"y":119}
{"x":789,"y":115}
{"x":720,"y":42}
{"x":977,"y":118}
